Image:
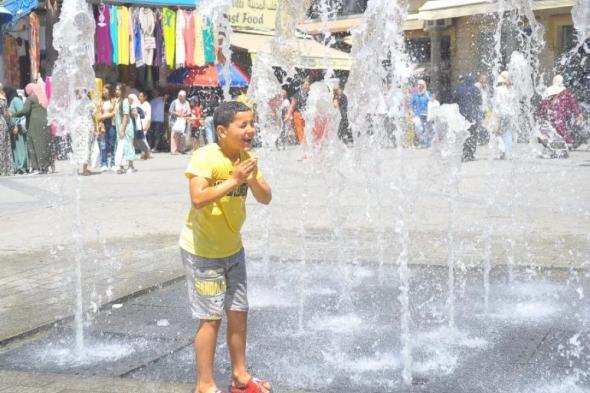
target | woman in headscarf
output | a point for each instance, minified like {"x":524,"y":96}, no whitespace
{"x":39,"y":136}
{"x":18,"y":132}
{"x":560,"y":108}
{"x":6,"y":163}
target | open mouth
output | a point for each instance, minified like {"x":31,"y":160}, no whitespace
{"x":247,"y":140}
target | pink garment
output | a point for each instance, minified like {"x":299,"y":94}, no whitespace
{"x":189,"y":37}
{"x":559,"y":110}
{"x":104,"y":48}
{"x":48,"y":88}
{"x":37,"y":90}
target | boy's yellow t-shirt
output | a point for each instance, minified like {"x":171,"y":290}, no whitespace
{"x":213,"y":231}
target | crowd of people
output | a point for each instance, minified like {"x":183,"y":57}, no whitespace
{"x":498,"y":112}
{"x":125,"y":125}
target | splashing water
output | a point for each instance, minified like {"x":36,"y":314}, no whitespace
{"x":581,"y":19}
{"x":377,"y":80}
{"x":450,"y":130}
{"x":215,"y":11}
{"x":73,"y":79}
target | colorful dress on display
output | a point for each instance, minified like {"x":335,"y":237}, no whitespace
{"x":160,"y":59}
{"x":104,"y":48}
{"x":147,"y":21}
{"x":124,"y":36}
{"x":180,"y":45}
{"x":199,"y":47}
{"x":136,"y":40}
{"x":208,"y":42}
{"x":169,"y":27}
{"x":6,"y":163}
{"x":114,"y":33}
{"x":189,"y":38}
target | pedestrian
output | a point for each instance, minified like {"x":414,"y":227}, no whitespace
{"x":125,"y":153}
{"x":419,"y":107}
{"x":83,"y":136}
{"x":196,"y":122}
{"x":341,"y":103}
{"x":282,"y":108}
{"x":483,"y":134}
{"x":18,"y":131}
{"x":38,"y":133}
{"x":156,"y":130}
{"x":468,"y":98}
{"x":6,"y":158}
{"x":506,"y":108}
{"x":220,"y":176}
{"x":107,"y":139}
{"x":180,"y":112}
{"x":146,"y":123}
{"x":560,"y":107}
{"x":298,"y":105}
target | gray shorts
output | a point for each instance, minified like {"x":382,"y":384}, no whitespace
{"x":215,"y":284}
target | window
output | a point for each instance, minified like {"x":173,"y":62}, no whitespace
{"x":567,"y":38}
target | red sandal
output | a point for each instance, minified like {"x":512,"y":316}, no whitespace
{"x":254,"y":385}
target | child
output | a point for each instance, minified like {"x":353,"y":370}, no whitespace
{"x":220,"y":175}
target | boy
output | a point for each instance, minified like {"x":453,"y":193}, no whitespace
{"x":220,"y":175}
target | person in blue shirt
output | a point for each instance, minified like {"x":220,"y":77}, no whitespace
{"x":419,"y":106}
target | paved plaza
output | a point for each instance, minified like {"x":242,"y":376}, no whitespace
{"x":336,"y":210}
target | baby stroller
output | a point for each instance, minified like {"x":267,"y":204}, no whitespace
{"x":554,"y":146}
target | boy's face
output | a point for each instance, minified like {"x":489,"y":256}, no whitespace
{"x":238,"y":136}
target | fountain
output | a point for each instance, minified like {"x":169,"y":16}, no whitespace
{"x":366,"y":271}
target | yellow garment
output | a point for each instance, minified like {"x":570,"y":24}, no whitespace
{"x":169,"y":27}
{"x":243,"y":98}
{"x":123,"y":37}
{"x":213,"y":231}
{"x":199,"y":46}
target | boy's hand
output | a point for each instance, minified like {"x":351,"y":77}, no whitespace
{"x":254,"y":173}
{"x":243,"y":170}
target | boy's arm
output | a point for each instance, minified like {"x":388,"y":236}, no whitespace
{"x":203,"y":194}
{"x":260,"y":189}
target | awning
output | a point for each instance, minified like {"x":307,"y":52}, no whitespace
{"x":19,"y":8}
{"x":344,"y":25}
{"x":442,"y":9}
{"x":150,"y":3}
{"x":208,"y":76}
{"x":313,"y":54}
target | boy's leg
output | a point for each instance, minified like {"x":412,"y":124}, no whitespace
{"x":236,"y":305}
{"x":205,"y":343}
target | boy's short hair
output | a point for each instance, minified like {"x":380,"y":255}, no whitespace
{"x":225,"y":113}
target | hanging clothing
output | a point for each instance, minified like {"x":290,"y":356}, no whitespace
{"x":147,"y":21}
{"x":113,"y":26}
{"x":104,"y":48}
{"x":12,"y":74}
{"x":189,"y":37}
{"x":160,"y":55}
{"x":199,"y":55}
{"x":136,"y":55}
{"x":208,"y":42}
{"x":169,"y":27}
{"x":180,"y":42}
{"x":124,"y":36}
{"x":35,"y":50}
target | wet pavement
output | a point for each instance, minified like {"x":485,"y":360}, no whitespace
{"x":345,"y":335}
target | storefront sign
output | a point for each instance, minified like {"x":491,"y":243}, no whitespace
{"x":253,"y":14}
